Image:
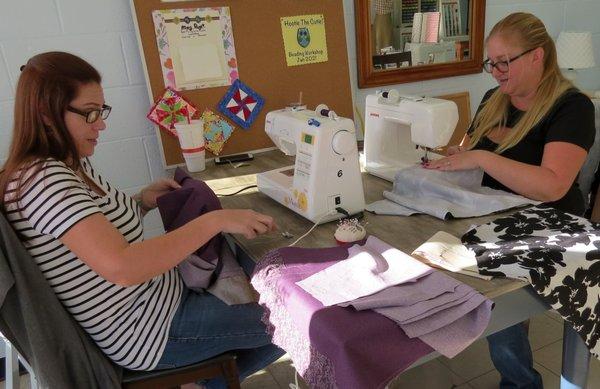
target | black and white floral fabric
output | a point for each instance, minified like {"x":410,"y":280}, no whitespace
{"x":558,"y":253}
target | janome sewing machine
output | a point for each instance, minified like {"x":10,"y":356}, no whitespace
{"x":325,"y":178}
{"x":399,"y":130}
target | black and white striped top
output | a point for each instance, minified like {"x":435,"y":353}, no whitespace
{"x":130,"y":324}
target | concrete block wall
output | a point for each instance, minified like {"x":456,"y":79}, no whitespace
{"x":102,"y":33}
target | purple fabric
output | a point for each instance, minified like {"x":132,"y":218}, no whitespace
{"x":179,"y":207}
{"x":426,"y":309}
{"x":411,"y":294}
{"x":458,"y":335}
{"x":438,"y":309}
{"x":330,"y":346}
{"x":442,"y":318}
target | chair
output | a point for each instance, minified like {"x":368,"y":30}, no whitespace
{"x":221,"y":365}
{"x":60,"y":352}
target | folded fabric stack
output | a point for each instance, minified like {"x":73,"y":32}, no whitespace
{"x":454,"y":194}
{"x":342,"y":346}
{"x":438,"y":309}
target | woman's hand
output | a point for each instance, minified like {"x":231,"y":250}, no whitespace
{"x":464,"y":160}
{"x":245,"y":222}
{"x":149,"y":194}
{"x":455,"y":150}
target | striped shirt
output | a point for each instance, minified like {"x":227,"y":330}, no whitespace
{"x":129,"y":324}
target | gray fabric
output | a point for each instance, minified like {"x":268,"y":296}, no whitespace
{"x":588,"y":171}
{"x":387,"y":207}
{"x":232,"y":285}
{"x":450,"y":194}
{"x":34,"y":321}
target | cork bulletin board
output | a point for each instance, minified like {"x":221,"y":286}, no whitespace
{"x":261,"y":61}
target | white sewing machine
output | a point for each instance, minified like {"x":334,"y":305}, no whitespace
{"x":326,"y":174}
{"x":426,"y":53}
{"x":397,"y":125}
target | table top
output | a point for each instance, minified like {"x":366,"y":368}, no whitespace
{"x":405,"y":233}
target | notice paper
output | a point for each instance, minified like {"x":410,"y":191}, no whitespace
{"x":200,"y":62}
{"x":368,"y":269}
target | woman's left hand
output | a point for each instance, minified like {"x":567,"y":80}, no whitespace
{"x":465,"y":160}
{"x":156,"y":189}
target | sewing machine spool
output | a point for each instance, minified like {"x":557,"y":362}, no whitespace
{"x":392,"y":96}
{"x":323,"y":110}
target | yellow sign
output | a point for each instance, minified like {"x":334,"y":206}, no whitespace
{"x":304,"y":39}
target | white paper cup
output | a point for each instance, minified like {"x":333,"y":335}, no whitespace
{"x":191,"y":140}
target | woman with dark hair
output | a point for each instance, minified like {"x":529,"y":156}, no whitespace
{"x":87,"y":236}
{"x":530,"y":136}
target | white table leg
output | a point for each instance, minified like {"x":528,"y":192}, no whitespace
{"x":12,"y":367}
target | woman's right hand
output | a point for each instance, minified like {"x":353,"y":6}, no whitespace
{"x":245,"y":222}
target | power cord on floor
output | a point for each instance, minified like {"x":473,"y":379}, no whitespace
{"x":234,"y":193}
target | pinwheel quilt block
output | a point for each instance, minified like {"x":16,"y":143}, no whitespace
{"x":171,"y":108}
{"x":241,"y":104}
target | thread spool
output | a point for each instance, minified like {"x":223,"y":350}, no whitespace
{"x":323,"y":110}
{"x":392,"y":95}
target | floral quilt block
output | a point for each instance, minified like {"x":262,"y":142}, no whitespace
{"x":216,"y":131}
{"x":170,"y":109}
{"x":241,"y":104}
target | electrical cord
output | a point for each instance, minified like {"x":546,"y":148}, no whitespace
{"x":314,"y":226}
{"x":234,"y":193}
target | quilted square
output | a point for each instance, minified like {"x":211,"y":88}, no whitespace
{"x":216,"y":131}
{"x":241,"y":104}
{"x":171,"y":108}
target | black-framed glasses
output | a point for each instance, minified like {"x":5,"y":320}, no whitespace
{"x":502,"y":66}
{"x":94,"y":114}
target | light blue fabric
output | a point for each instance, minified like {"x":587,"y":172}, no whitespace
{"x":447,"y":194}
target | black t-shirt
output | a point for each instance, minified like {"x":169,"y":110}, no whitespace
{"x":571,"y":119}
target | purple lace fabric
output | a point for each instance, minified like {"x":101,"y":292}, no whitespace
{"x":332,"y":347}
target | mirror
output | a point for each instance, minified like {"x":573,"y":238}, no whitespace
{"x":399,"y":41}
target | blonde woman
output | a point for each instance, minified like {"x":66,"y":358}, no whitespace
{"x":531,"y":136}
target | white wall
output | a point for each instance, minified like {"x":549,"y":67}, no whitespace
{"x":102,"y":33}
{"x":557,"y":15}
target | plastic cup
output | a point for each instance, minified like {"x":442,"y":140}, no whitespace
{"x":191,"y":140}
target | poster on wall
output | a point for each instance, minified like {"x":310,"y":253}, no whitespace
{"x":304,"y":39}
{"x":196,"y":47}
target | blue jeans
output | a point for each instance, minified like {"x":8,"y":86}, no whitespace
{"x":204,"y":327}
{"x":512,"y":357}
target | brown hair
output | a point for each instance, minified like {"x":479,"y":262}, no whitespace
{"x":529,"y":32}
{"x":47,"y":85}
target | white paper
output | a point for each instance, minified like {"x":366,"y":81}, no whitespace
{"x":369,"y":269}
{"x":200,"y":62}
{"x":448,"y":252}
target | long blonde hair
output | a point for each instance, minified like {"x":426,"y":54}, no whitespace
{"x":529,"y":32}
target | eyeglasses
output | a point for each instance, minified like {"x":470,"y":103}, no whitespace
{"x":94,"y":114}
{"x":502,"y":66}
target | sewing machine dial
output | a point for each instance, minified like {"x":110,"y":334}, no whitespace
{"x":343,"y":142}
